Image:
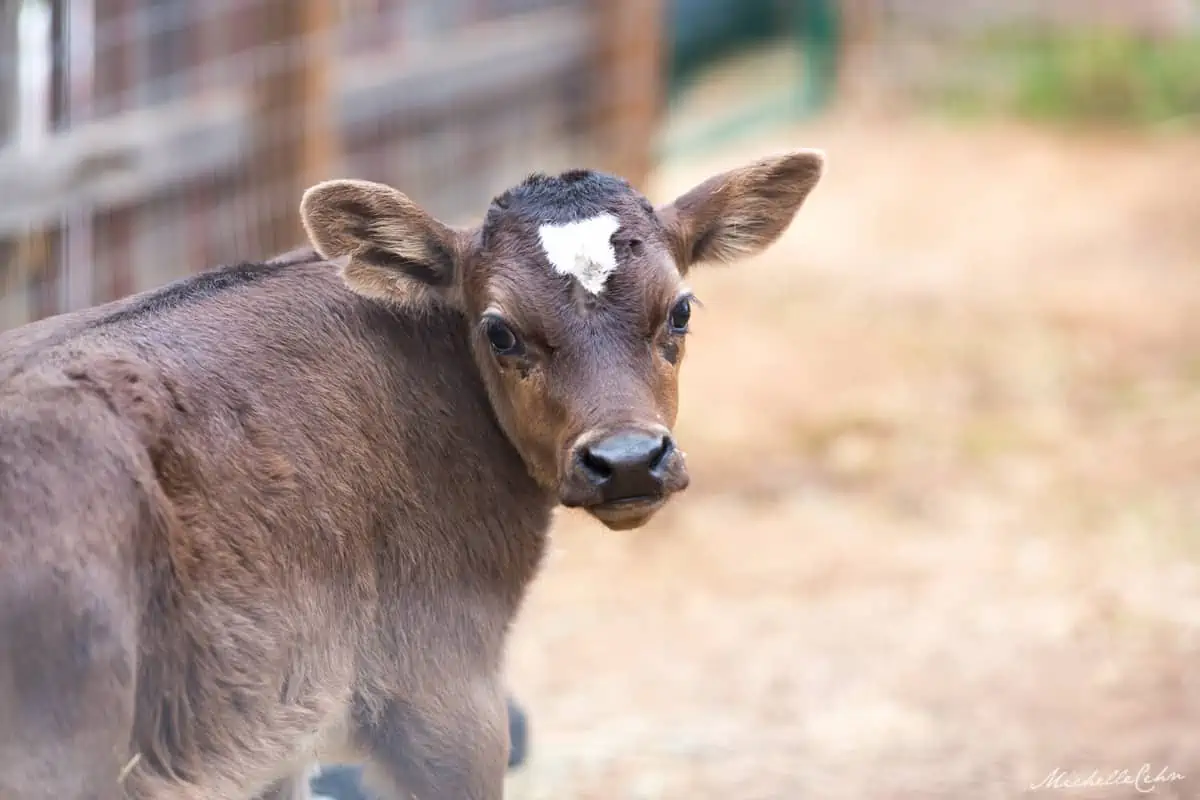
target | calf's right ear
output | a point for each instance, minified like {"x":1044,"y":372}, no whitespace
{"x":387,"y":246}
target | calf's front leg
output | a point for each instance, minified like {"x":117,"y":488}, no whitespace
{"x":293,"y":788}
{"x":450,"y":747}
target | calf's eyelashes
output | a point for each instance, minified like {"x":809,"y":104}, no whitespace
{"x":503,"y":340}
{"x":681,"y":315}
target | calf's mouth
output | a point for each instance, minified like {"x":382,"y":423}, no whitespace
{"x":627,"y":513}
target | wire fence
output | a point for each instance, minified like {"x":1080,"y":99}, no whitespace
{"x":143,"y":140}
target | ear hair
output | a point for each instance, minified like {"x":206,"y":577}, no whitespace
{"x":741,"y":212}
{"x":387,"y":247}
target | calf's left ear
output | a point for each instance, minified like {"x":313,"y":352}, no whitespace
{"x":387,"y":246}
{"x":739,"y":213}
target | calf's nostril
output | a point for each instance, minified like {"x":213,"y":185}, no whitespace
{"x":625,"y":463}
{"x":666,"y":445}
{"x":596,"y":465}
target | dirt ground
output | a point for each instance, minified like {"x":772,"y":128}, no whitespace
{"x":943,"y":535}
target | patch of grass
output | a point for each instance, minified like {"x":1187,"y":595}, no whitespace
{"x":1104,"y":77}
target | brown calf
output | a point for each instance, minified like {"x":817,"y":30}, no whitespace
{"x":272,"y":513}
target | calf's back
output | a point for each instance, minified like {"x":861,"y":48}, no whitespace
{"x":243,"y":509}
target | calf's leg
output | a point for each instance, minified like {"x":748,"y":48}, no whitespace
{"x":295,"y":787}
{"x":67,"y":697}
{"x":450,"y":747}
{"x":71,"y":506}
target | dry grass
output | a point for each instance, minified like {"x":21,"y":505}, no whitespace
{"x":944,"y":529}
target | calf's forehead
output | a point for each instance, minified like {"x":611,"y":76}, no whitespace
{"x":582,"y":249}
{"x":557,"y":232}
{"x":569,"y":197}
{"x":545,"y":213}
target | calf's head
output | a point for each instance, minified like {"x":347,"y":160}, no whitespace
{"x":573,"y":290}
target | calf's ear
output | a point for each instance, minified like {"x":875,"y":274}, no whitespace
{"x":388,"y":247}
{"x":739,"y":213}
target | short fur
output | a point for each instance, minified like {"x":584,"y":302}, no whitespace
{"x":268,"y":515}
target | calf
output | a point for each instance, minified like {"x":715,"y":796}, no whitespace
{"x":285,"y":512}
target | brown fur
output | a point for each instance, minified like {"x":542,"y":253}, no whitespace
{"x":260,"y":517}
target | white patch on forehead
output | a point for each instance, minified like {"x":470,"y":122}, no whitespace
{"x":582,"y":249}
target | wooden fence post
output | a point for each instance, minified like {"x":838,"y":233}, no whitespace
{"x":295,"y":115}
{"x":628,"y":86}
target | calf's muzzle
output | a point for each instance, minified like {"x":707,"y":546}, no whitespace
{"x":623,"y":476}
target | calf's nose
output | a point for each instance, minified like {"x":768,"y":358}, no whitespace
{"x":625,"y":465}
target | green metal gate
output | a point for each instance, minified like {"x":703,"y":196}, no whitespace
{"x":705,"y":31}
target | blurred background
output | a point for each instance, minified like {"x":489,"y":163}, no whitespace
{"x":943,"y":535}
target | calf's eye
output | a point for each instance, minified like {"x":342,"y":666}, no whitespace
{"x":681,"y":315}
{"x":501,"y":337}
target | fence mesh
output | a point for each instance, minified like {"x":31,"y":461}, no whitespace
{"x":142,"y":140}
